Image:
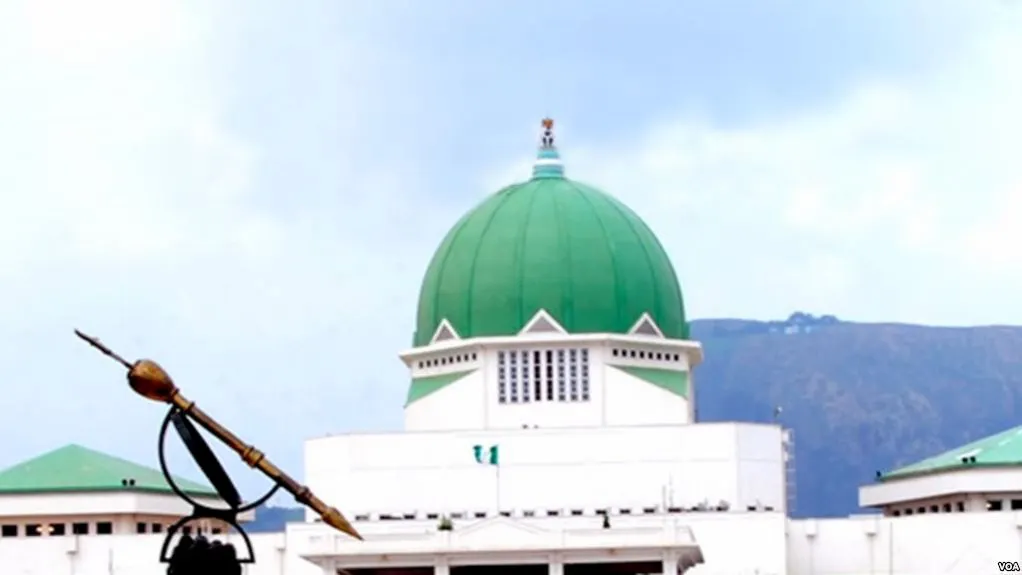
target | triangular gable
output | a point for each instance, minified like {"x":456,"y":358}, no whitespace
{"x":75,"y":468}
{"x":646,"y":326}
{"x":444,"y":332}
{"x":670,"y":380}
{"x":542,"y":322}
{"x":423,"y":386}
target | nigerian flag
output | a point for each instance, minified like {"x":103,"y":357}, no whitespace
{"x":487,"y":455}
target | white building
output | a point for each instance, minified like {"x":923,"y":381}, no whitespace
{"x":550,"y":427}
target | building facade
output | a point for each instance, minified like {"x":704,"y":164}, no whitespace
{"x":550,"y":427}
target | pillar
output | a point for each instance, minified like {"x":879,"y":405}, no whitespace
{"x":556,"y":566}
{"x":670,"y":563}
{"x":440,"y":567}
{"x":975,"y":503}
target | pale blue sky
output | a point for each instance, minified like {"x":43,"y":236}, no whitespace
{"x":249,"y":191}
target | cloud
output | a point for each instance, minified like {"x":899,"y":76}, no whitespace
{"x":119,"y":157}
{"x":131,"y":188}
{"x":994,"y":244}
{"x":853,"y":207}
{"x":92,"y":35}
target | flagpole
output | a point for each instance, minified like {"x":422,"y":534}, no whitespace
{"x":498,"y":488}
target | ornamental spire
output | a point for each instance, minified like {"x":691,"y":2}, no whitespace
{"x":548,"y":161}
{"x":548,"y":133}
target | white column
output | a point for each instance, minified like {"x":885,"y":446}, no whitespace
{"x":556,"y":566}
{"x":440,"y":567}
{"x":670,"y":563}
{"x":975,"y":503}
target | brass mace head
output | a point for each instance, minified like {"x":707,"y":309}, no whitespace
{"x":145,"y":376}
{"x":150,"y":380}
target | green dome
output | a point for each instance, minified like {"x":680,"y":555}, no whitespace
{"x":551,"y":244}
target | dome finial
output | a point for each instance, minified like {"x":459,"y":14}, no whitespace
{"x":548,"y":161}
{"x":548,"y":133}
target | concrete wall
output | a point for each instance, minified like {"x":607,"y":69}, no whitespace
{"x":629,"y":400}
{"x":127,"y":555}
{"x":456,"y":406}
{"x":682,"y":465}
{"x":958,"y":543}
{"x":105,"y":503}
{"x":740,"y":543}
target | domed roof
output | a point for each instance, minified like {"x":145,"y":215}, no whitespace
{"x":549,"y":244}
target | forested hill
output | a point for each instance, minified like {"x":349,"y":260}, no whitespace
{"x":860,"y":397}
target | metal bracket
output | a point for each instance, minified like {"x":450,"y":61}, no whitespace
{"x":215,"y":473}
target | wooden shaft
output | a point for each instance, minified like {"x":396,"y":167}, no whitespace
{"x":257,"y":459}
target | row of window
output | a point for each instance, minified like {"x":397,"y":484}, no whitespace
{"x":651,"y":510}
{"x":643,"y":354}
{"x":102,"y":528}
{"x":447,"y":360}
{"x":959,"y":506}
{"x":945,"y":508}
{"x":525,"y":376}
{"x":37,"y":529}
{"x":625,"y":353}
{"x":998,"y":505}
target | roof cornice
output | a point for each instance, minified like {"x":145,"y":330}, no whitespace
{"x":692,"y":349}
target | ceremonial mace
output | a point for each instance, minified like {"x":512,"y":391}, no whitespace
{"x":150,"y":380}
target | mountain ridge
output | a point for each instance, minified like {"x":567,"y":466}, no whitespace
{"x":861,"y":397}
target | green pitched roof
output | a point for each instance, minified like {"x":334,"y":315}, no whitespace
{"x":1002,"y":449}
{"x":549,"y":244}
{"x":75,"y":468}
{"x":670,"y":380}
{"x":423,"y":386}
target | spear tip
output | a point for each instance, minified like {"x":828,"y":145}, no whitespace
{"x":94,"y":342}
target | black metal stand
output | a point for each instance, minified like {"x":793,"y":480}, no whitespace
{"x":192,"y":552}
{"x":198,"y":556}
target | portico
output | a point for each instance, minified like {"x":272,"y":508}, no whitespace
{"x":503,"y":545}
